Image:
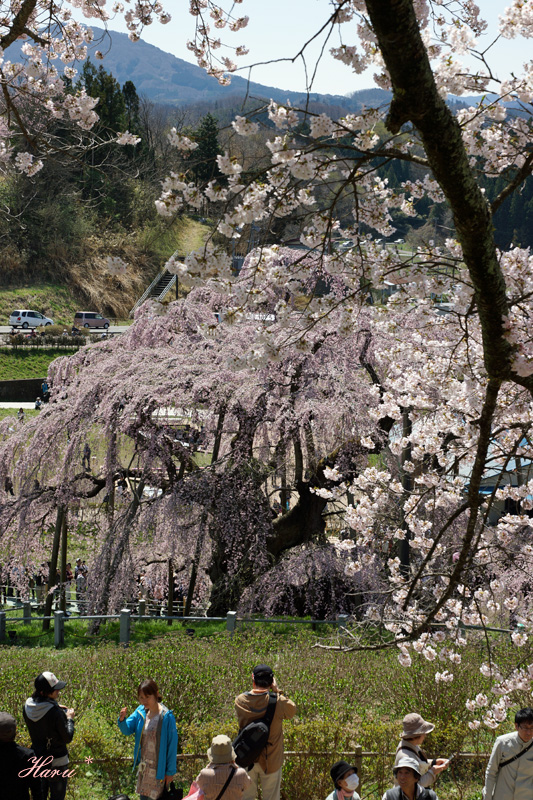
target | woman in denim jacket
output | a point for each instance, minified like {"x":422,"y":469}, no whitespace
{"x":156,"y":741}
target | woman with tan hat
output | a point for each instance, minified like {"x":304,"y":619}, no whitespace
{"x":222,"y":776}
{"x":415,"y":730}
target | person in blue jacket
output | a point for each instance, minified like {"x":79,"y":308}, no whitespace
{"x":156,"y":741}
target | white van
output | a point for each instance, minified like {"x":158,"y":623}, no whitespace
{"x":28,"y":319}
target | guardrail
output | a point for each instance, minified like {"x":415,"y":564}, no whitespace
{"x":126,"y":617}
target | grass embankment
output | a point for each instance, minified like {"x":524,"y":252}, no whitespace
{"x":54,"y":300}
{"x":17,"y":364}
{"x":343,"y":699}
{"x":88,"y":284}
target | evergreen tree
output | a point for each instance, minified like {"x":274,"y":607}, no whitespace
{"x":111,"y":108}
{"x":131,"y":103}
{"x":205,"y":156}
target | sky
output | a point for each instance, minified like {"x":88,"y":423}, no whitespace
{"x":278,"y":28}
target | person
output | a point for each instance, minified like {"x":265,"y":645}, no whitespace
{"x":408,"y":778}
{"x":86,"y":459}
{"x":39,"y":581}
{"x":38,"y":403}
{"x":251,"y":707}
{"x":69,"y":577}
{"x":15,"y":759}
{"x":221,"y":765}
{"x":20,"y":415}
{"x":156,"y":740}
{"x":45,"y":391}
{"x":509,"y":774}
{"x":51,"y":728}
{"x":81,"y":584}
{"x":415,"y":730}
{"x":345,"y":780}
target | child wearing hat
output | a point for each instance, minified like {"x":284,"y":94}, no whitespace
{"x":407,"y":776}
{"x":345,"y":780}
{"x":222,"y":771}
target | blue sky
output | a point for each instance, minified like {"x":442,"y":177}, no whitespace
{"x":277,"y":30}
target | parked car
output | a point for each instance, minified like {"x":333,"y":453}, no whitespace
{"x":90,"y":319}
{"x":28,"y":319}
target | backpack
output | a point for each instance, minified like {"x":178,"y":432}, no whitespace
{"x":253,"y":738}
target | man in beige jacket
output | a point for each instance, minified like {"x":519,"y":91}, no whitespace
{"x":509,"y":774}
{"x":251,"y":707}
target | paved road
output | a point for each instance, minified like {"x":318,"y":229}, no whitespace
{"x":111,"y":329}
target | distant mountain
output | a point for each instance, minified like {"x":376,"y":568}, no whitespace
{"x":163,"y":78}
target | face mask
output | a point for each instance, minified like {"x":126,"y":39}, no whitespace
{"x":352,"y":782}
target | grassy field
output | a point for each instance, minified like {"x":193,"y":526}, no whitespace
{"x":53,"y":300}
{"x":19,"y":364}
{"x":343,"y":700}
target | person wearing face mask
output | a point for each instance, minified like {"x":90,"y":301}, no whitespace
{"x":345,"y":781}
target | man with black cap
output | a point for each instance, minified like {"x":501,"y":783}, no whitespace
{"x":345,"y":781}
{"x":51,"y":728}
{"x":251,"y":707}
{"x":15,"y":759}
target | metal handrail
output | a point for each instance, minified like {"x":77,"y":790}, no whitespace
{"x":145,"y":294}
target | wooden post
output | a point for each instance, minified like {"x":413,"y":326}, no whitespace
{"x":125,"y":626}
{"x":26,"y":613}
{"x":170,"y":599}
{"x":2,"y":626}
{"x":142,"y":608}
{"x":59,"y":629}
{"x":231,"y":622}
{"x":342,"y":619}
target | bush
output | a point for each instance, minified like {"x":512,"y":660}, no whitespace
{"x":343,"y":700}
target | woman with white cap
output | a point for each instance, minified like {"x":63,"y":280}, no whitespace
{"x":415,"y":730}
{"x":222,"y":776}
{"x":408,"y":787}
{"x":51,"y":728}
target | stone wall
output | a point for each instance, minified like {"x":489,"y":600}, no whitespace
{"x":22,"y":391}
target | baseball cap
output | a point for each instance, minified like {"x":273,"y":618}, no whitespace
{"x":47,"y":683}
{"x":263,"y":673}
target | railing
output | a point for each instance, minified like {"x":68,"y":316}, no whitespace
{"x":126,"y":617}
{"x":148,"y":292}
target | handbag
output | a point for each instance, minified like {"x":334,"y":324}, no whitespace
{"x":171,"y":792}
{"x":195,"y":793}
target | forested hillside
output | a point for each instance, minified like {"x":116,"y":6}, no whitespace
{"x":64,"y":223}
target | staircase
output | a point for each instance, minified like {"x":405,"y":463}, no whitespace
{"x":158,"y":289}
